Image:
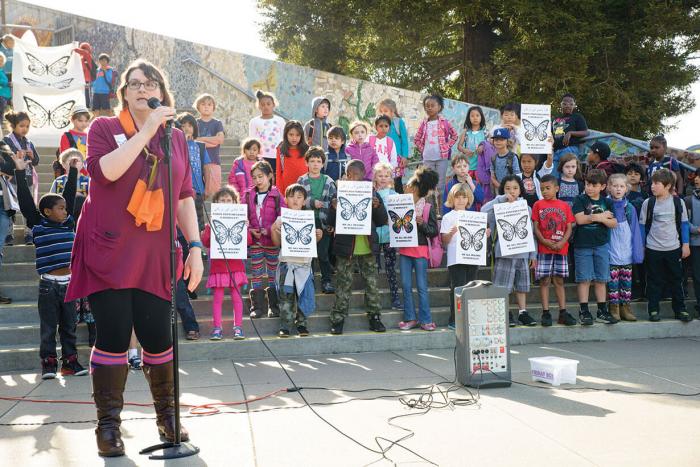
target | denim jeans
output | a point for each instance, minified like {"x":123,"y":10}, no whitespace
{"x":53,"y":312}
{"x":184,"y":308}
{"x":5,"y":223}
{"x":408,"y":264}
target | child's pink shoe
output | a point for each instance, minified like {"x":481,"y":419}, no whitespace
{"x":406,"y":325}
{"x":428,"y":327}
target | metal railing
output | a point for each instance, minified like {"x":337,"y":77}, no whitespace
{"x":235,"y":86}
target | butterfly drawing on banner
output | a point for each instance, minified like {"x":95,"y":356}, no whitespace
{"x":59,"y":117}
{"x":358,"y":210}
{"x":532,"y":131}
{"x":63,"y":84}
{"x":470,"y":240}
{"x":225,"y":234}
{"x":509,"y":231}
{"x":302,"y":235}
{"x":404,"y":222}
{"x":39,"y":68}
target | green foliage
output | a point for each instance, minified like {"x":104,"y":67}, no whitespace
{"x":627,"y":62}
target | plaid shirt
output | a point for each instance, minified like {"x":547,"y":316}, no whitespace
{"x":447,"y":136}
{"x":329,"y":193}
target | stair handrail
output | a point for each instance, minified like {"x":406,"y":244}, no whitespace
{"x":238,"y":88}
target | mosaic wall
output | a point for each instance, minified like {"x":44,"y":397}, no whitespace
{"x":293,"y":85}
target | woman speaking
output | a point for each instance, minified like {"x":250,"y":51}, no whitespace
{"x":121,"y":255}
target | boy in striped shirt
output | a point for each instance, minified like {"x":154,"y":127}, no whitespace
{"x":53,"y":227}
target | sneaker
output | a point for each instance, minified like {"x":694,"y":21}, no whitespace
{"x":71,"y":366}
{"x":135,"y":362}
{"x":283,"y":333}
{"x":192,"y":335}
{"x":376,"y":325}
{"x":9,"y":240}
{"x":406,"y":325}
{"x":49,"y":367}
{"x":586,"y":318}
{"x":526,"y":320}
{"x":451,"y":326}
{"x":192,"y":295}
{"x":215,"y":334}
{"x":428,"y":326}
{"x":238,"y":333}
{"x":683,"y":316}
{"x":303,"y":331}
{"x":5,"y":300}
{"x":566,"y":319}
{"x":546,"y":319}
{"x":28,"y":240}
{"x":654,"y":316}
{"x":337,"y":328}
{"x":327,"y":288}
{"x":396,"y":305}
{"x":511,"y":322}
{"x":604,"y":316}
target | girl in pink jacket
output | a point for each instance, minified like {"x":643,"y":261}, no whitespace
{"x":360,"y":149}
{"x":240,"y":177}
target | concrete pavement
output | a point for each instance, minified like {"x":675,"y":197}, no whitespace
{"x":513,"y":426}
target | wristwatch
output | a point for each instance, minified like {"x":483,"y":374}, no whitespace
{"x":196,"y":244}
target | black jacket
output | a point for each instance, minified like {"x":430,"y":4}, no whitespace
{"x":344,"y":245}
{"x":428,"y":229}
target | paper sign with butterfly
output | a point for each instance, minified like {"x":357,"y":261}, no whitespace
{"x":354,"y":208}
{"x":536,"y":128}
{"x":471,"y":238}
{"x":229,"y":231}
{"x":514,"y":228}
{"x":403,"y":229}
{"x":298,"y":233}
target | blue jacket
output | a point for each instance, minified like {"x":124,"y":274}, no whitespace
{"x":478,"y":195}
{"x":400,"y":137}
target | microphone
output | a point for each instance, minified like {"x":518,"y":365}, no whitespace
{"x":154,"y":103}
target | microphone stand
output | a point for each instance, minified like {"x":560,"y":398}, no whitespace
{"x":178,"y":448}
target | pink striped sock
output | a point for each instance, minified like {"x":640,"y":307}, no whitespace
{"x":158,"y":358}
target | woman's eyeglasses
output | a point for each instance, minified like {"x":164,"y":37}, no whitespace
{"x":135,"y":85}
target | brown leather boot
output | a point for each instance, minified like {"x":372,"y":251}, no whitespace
{"x":160,"y":379}
{"x":614,"y":309}
{"x":108,"y":391}
{"x":626,"y":312}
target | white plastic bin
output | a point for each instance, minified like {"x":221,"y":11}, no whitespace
{"x":553,"y":370}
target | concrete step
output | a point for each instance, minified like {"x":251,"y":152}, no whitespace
{"x":25,"y":357}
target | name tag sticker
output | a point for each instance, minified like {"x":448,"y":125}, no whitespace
{"x":120,"y":139}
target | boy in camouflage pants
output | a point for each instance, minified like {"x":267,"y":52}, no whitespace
{"x":359,"y":250}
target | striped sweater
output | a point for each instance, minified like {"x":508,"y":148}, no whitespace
{"x":53,"y":240}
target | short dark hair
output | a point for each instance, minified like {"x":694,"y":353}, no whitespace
{"x":659,"y":139}
{"x":295,"y":188}
{"x":597,"y":176}
{"x":190,"y":120}
{"x":337,"y":132}
{"x":262,"y":166}
{"x":260,"y":95}
{"x":664,"y":176}
{"x":356,"y":165}
{"x":105,"y":56}
{"x":511,"y":107}
{"x":152,"y":73}
{"x":634,"y":167}
{"x":549,"y":178}
{"x":568,"y":94}
{"x":382,"y":118}
{"x":226,"y":190}
{"x":16,"y":117}
{"x":459,"y":158}
{"x":511,"y":178}
{"x":315,"y":151}
{"x":437,"y":98}
{"x":250,"y":142}
{"x":48,"y":201}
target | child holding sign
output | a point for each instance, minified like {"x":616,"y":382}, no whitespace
{"x":384,"y":184}
{"x":360,"y":250}
{"x":512,"y":272}
{"x":222,"y":276}
{"x":294,"y":274}
{"x":459,"y":199}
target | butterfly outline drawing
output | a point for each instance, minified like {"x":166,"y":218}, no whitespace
{"x":472,"y":240}
{"x":532,"y":131}
{"x":63,"y":84}
{"x":57,"y":68}
{"x":349,"y":210}
{"x":399,"y":222}
{"x":303,"y":235}
{"x":509,"y":231}
{"x":226,"y":234}
{"x":59,"y":117}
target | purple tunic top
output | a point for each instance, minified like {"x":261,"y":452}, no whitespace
{"x":110,"y":252}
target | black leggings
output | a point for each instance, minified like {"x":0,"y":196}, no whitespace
{"x":116,"y":312}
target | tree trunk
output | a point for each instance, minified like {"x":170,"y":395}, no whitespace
{"x":478,"y":42}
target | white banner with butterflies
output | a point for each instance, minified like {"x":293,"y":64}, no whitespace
{"x":354,"y":209}
{"x":47,"y":82}
{"x":536,"y":129}
{"x":229,"y":232}
{"x":298,"y":233}
{"x":402,"y":221}
{"x":515,"y":234}
{"x":471,"y":247}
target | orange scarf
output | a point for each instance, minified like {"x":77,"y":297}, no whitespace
{"x":147,"y":203}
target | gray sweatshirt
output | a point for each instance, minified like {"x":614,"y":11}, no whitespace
{"x":694,"y":215}
{"x":488,"y":208}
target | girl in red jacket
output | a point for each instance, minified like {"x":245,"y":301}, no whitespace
{"x":220,"y":279}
